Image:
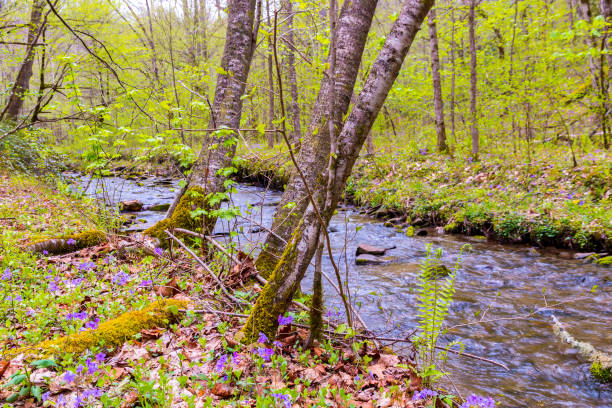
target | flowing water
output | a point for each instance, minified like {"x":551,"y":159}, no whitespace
{"x":499,"y":284}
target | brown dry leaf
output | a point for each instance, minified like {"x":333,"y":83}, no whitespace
{"x":169,"y":289}
{"x":3,"y":366}
{"x":222,"y":390}
{"x":130,"y":399}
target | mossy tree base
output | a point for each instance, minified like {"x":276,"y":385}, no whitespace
{"x":193,"y":199}
{"x":69,"y":243}
{"x":112,"y":333}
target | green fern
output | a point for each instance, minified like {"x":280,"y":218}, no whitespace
{"x":434,"y":297}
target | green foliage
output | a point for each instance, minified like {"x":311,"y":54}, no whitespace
{"x":28,"y":151}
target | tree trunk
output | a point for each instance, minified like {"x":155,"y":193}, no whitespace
{"x":294,"y":107}
{"x":437,"y":83}
{"x":210,"y":173}
{"x":473,"y":90}
{"x":454,"y":75}
{"x":151,"y":41}
{"x":271,"y":135}
{"x":353,"y":26}
{"x":277,"y":294}
{"x":22,"y":82}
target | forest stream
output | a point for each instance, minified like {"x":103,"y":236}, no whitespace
{"x":500,"y":282}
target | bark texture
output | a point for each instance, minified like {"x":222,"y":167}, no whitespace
{"x":218,"y":149}
{"x":473,"y":80}
{"x":22,"y":82}
{"x":353,"y":27}
{"x":288,"y":273}
{"x":437,"y":82}
{"x":294,"y":107}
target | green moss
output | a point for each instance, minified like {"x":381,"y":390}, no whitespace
{"x":194,"y":198}
{"x":410,"y":231}
{"x":600,"y":373}
{"x":112,"y":333}
{"x":264,"y":315}
{"x":160,"y":207}
{"x":606,"y":260}
{"x":88,"y":238}
{"x":265,"y":263}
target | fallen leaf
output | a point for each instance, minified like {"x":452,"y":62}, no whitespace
{"x":222,"y":390}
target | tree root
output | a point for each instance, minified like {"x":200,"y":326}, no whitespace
{"x":68,"y":243}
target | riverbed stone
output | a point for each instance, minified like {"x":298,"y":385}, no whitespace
{"x":160,"y":207}
{"x":370,"y":250}
{"x":130,"y":205}
{"x":367,"y":259}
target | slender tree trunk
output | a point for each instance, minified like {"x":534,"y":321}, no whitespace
{"x":209,"y":173}
{"x":294,"y":107}
{"x":277,"y":294}
{"x":437,"y":83}
{"x":473,"y":83}
{"x":22,"y":82}
{"x":353,"y":26}
{"x":151,"y":41}
{"x":454,"y":74}
{"x":271,"y":135}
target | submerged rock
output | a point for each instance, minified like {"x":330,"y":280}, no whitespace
{"x":131,"y":205}
{"x":160,"y":207}
{"x":583,"y":255}
{"x":370,"y":250}
{"x":367,"y":259}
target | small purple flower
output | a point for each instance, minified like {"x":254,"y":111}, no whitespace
{"x":61,"y":401}
{"x":93,"y":323}
{"x":158,"y":251}
{"x":100,"y":357}
{"x":265,"y":353}
{"x":85,"y":266}
{"x":476,"y":401}
{"x":282,"y":321}
{"x":76,"y":315}
{"x":80,"y":369}
{"x":76,"y":282}
{"x":581,"y":202}
{"x":121,"y":278}
{"x":424,"y":394}
{"x":357,"y":378}
{"x":7,"y":275}
{"x":262,"y":338}
{"x":45,"y":252}
{"x":221,"y":363}
{"x":283,"y":399}
{"x":145,"y":283}
{"x":71,"y":241}
{"x":92,"y":366}
{"x":69,"y":377}
{"x":53,"y":287}
{"x":277,"y":343}
{"x":45,"y":396}
{"x":235,"y":358}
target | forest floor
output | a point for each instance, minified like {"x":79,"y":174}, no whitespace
{"x":547,"y":202}
{"x":180,"y":350}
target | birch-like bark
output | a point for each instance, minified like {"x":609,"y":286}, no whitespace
{"x":473,"y":80}
{"x":353,"y":27}
{"x":277,"y":294}
{"x":219,"y":147}
{"x":271,"y":135}
{"x":437,"y":83}
{"x":22,"y":82}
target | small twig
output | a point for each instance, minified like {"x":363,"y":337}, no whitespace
{"x":206,"y":268}
{"x":461,"y":353}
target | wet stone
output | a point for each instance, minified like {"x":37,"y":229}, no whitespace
{"x":367,"y":259}
{"x":370,"y":250}
{"x":131,"y":205}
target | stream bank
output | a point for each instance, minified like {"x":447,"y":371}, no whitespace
{"x":499,"y":284}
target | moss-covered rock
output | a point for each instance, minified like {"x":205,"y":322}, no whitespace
{"x":606,"y":260}
{"x":112,"y":333}
{"x":601,"y":373}
{"x":193,"y":199}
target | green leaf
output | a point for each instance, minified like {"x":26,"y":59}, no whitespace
{"x":44,"y":363}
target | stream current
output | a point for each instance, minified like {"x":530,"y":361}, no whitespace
{"x":499,"y":284}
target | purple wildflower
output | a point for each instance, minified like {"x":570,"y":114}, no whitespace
{"x":146,"y":283}
{"x":277,"y":343}
{"x":235,"y":358}
{"x":53,"y":287}
{"x":282,"y":399}
{"x":69,"y":377}
{"x":262,"y":338}
{"x":221,"y":363}
{"x":476,"y":401}
{"x":71,"y":241}
{"x":100,"y":357}
{"x":7,"y":275}
{"x":424,"y":394}
{"x":92,"y":366}
{"x":61,"y":401}
{"x":85,"y":266}
{"x":80,"y":369}
{"x":45,"y":396}
{"x":121,"y":278}
{"x":76,"y":315}
{"x":45,"y":252}
{"x":158,"y":251}
{"x":282,"y":321}
{"x":265,"y":353}
{"x":93,"y":323}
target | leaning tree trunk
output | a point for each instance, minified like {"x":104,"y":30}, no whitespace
{"x":277,"y":294}
{"x":208,"y":176}
{"x":353,"y":27}
{"x":473,"y":83}
{"x":437,"y":83}
{"x":22,"y":83}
